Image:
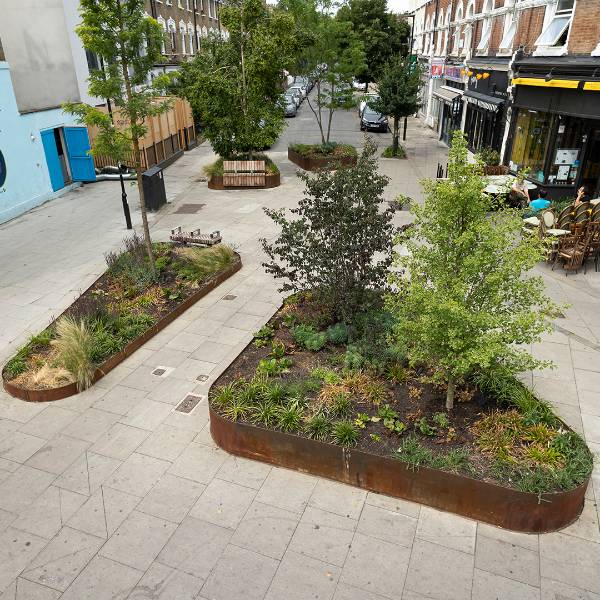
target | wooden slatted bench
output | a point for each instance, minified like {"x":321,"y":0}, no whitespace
{"x":244,"y":173}
{"x":195,"y":237}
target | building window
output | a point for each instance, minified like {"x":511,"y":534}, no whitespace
{"x":556,"y":31}
{"x":172,"y":35}
{"x":183,"y":33}
{"x":531,"y":141}
{"x":487,"y":26}
{"x":458,"y":41}
{"x":162,"y":23}
{"x":190,"y":29}
{"x":510,"y":28}
{"x":92,"y":61}
{"x":566,"y":155}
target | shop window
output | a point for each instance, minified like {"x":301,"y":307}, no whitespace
{"x":556,"y":31}
{"x":566,"y":156}
{"x":531,"y":141}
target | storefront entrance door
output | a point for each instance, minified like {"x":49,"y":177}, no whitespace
{"x":590,"y":177}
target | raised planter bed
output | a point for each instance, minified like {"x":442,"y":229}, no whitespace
{"x":215,"y":182}
{"x":495,"y":170}
{"x":476,"y":499}
{"x":70,"y":389}
{"x":313,"y":163}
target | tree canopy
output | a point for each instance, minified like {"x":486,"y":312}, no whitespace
{"x":465,"y":302}
{"x":235,"y":84}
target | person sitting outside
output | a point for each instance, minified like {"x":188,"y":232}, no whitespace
{"x":581,"y":196}
{"x":518,"y":196}
{"x":539,"y":203}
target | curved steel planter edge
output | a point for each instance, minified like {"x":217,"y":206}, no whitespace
{"x":314,"y":164}
{"x":473,"y":498}
{"x":110,"y":363}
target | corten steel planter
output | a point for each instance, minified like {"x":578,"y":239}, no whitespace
{"x":451,"y":492}
{"x":110,"y":363}
{"x":271,"y":180}
{"x":495,"y":170}
{"x":323,"y":162}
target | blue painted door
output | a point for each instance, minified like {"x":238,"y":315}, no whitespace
{"x":78,"y":145}
{"x":50,"y":150}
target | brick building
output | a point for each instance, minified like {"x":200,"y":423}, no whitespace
{"x":185,"y":23}
{"x":520,"y":76}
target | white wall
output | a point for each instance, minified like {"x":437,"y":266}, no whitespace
{"x":36,"y":44}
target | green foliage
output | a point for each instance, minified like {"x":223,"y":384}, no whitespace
{"x":441,"y":419}
{"x":414,"y":453}
{"x":394,"y":425}
{"x":327,"y":149}
{"x":397,"y":373}
{"x":489,"y":157}
{"x":273,"y":366}
{"x":239,"y":407}
{"x":341,"y":404}
{"x":398,"y":94}
{"x":130,"y":265}
{"x":216,"y":168}
{"x":424,"y":427}
{"x":345,"y":433}
{"x":18,"y":363}
{"x":199,"y":264}
{"x":265,"y":413}
{"x":338,"y":333}
{"x":264,"y":335}
{"x":234,"y":84}
{"x":318,"y":427}
{"x":391,"y":152}
{"x":325,"y":375}
{"x":340,"y":245}
{"x":463,"y":301}
{"x":225,"y":394}
{"x":362,"y":420}
{"x":73,"y":345}
{"x":456,"y":460}
{"x":383,"y":35}
{"x":309,"y":338}
{"x":387,"y":412}
{"x":289,"y":417}
{"x":277,"y":349}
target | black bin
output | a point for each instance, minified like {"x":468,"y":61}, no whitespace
{"x":154,"y":188}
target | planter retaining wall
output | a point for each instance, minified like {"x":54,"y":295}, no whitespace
{"x":473,"y":498}
{"x":324,"y":162}
{"x":109,"y":364}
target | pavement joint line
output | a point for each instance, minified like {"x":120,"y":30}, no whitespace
{"x":578,"y":338}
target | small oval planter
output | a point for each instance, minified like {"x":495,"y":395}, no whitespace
{"x":271,"y":180}
{"x":323,"y":162}
{"x":473,"y":498}
{"x":110,"y":363}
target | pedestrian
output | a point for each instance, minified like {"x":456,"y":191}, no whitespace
{"x":582,"y":196}
{"x":539,"y":203}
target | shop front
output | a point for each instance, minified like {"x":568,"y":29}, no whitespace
{"x":450,"y":102}
{"x":485,"y":104}
{"x":554,"y":135}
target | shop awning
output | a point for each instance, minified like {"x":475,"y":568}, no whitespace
{"x":447,"y":94}
{"x":483,"y":101}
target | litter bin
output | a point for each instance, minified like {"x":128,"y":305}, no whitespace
{"x":154,"y":188}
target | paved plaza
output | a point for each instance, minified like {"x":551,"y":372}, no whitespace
{"x":111,"y":494}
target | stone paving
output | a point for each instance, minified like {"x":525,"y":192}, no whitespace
{"x":112,"y":495}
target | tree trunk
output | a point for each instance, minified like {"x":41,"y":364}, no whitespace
{"x":450,"y":393}
{"x":317,"y":115}
{"x":395,"y":136}
{"x":136,"y":153}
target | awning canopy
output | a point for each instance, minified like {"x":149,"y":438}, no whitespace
{"x":447,"y":94}
{"x":483,"y":101}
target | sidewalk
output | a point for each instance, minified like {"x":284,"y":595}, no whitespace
{"x":113,"y":494}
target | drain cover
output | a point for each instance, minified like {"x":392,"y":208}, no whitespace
{"x":229,"y":297}
{"x":159,"y":372}
{"x":188,"y":404}
{"x":189,"y":209}
{"x":202,"y":378}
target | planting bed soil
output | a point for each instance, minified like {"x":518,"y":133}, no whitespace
{"x":505,"y":461}
{"x":116,"y":315}
{"x":310,"y":157}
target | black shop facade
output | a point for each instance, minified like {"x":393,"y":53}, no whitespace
{"x":485,"y":100}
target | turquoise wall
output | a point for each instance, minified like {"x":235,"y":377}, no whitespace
{"x":27,"y":180}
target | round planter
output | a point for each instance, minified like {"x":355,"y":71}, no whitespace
{"x":495,"y":170}
{"x":322,"y":162}
{"x":271,"y":180}
{"x":110,"y":363}
{"x":473,"y":498}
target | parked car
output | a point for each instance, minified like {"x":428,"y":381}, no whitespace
{"x":290,"y":106}
{"x":304,"y":82}
{"x":373,"y":121}
{"x":364,"y":101}
{"x":359,"y":86}
{"x":301,"y":90}
{"x":295,"y":95}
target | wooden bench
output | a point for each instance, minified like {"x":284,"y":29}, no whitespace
{"x":244,"y":173}
{"x":195,"y":237}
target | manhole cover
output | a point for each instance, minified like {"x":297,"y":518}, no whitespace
{"x":189,"y":209}
{"x":188,"y":404}
{"x":229,"y":297}
{"x":202,"y":378}
{"x":161,"y":371}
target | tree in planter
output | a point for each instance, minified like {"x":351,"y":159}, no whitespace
{"x":235,"y":84}
{"x":341,"y":244}
{"x":128,"y":44}
{"x":399,"y":87}
{"x":336,"y":55}
{"x":382,"y":33}
{"x":463,"y":301}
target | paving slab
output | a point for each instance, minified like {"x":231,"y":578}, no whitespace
{"x":163,"y":583}
{"x":17,"y":549}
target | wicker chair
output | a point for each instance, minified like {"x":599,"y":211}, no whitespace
{"x":593,"y":249}
{"x":572,"y":250}
{"x":565,"y":218}
{"x":595,"y":214}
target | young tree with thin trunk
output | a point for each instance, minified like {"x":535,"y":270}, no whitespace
{"x":464,"y":299}
{"x":399,"y":87}
{"x":128,"y":44}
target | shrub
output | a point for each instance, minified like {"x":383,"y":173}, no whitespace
{"x":310,"y":338}
{"x":318,"y":427}
{"x":345,"y":433}
{"x":389,"y":152}
{"x":289,"y":417}
{"x":18,"y":363}
{"x":225,"y":394}
{"x":265,"y":413}
{"x":341,"y":405}
{"x":130,"y":265}
{"x":340,"y":245}
{"x":264,"y":335}
{"x":338,"y":333}
{"x":73,"y":345}
{"x":489,"y":157}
